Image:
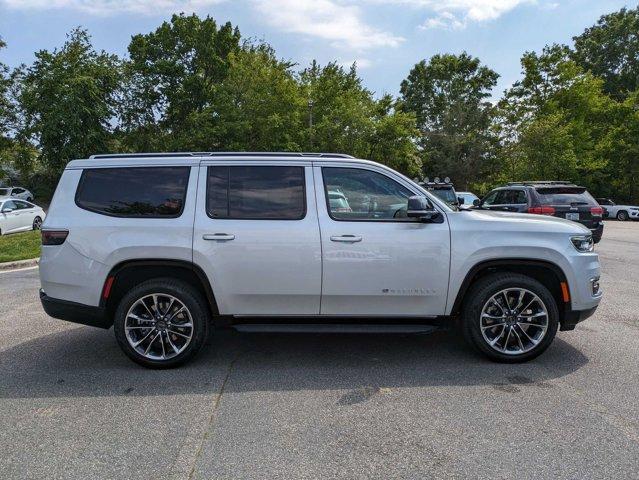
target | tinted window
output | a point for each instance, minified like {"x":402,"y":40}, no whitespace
{"x":491,"y":197}
{"x":513,"y":197}
{"x":445,"y":194}
{"x":4,"y":192}
{"x":16,"y":191}
{"x":21,"y":205}
{"x":134,"y":192}
{"x":364,"y":195}
{"x":256,"y":192}
{"x":565,"y":196}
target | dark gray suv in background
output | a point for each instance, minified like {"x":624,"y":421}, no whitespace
{"x":557,"y":199}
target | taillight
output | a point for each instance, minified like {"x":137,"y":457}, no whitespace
{"x":596,"y":211}
{"x":542,"y":210}
{"x":54,"y":237}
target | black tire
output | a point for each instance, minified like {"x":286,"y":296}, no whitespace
{"x":188,"y":296}
{"x":478,"y":296}
{"x":622,"y":215}
{"x":37,"y":223}
{"x":30,"y":199}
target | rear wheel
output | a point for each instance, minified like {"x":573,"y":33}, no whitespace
{"x":622,"y":216}
{"x":161,"y":323}
{"x":37,"y":223}
{"x":509,"y":317}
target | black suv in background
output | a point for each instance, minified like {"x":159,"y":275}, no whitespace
{"x":558,"y":199}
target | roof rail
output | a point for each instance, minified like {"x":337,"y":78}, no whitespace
{"x":221,"y":154}
{"x":540,"y":182}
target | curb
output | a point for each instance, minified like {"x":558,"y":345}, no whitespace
{"x":19,"y":264}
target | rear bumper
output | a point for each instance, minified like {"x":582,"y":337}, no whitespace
{"x":573,"y":317}
{"x":597,"y":233}
{"x":75,"y":312}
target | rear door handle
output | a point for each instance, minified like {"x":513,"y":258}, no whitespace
{"x":346,"y":238}
{"x":220,"y":237}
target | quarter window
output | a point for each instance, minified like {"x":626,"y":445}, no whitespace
{"x":256,"y":192}
{"x":151,"y":192}
{"x":358,"y":194}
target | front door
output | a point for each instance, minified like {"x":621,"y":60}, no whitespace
{"x":11,"y":218}
{"x":376,"y":261}
{"x":257,"y":238}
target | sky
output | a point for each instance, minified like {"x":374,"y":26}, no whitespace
{"x":385,"y":37}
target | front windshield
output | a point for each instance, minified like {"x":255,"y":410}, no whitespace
{"x":446,"y":194}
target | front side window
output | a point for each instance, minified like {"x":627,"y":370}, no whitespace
{"x":256,"y":192}
{"x":9,"y":205}
{"x":358,"y":194}
{"x":491,"y":198}
{"x":151,"y":192}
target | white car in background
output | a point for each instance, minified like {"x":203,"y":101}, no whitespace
{"x":16,"y":192}
{"x":469,"y":199}
{"x":620,"y":212}
{"x":19,"y":216}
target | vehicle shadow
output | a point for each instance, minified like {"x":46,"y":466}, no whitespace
{"x":87,"y":362}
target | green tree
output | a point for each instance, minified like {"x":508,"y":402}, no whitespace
{"x":343,"y":116}
{"x":620,"y":148}
{"x":610,"y":50}
{"x":448,"y":95}
{"x":173,"y":80}
{"x":260,"y":102}
{"x":68,"y":100}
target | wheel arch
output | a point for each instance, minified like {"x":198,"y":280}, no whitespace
{"x":548,"y":273}
{"x":128,"y":273}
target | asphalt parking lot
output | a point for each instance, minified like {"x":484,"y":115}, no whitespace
{"x":323,"y":406}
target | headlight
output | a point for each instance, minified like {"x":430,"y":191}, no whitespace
{"x":583,"y":243}
{"x":634,"y":208}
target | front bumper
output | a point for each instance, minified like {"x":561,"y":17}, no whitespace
{"x":75,"y":312}
{"x":634,"y":214}
{"x":573,"y":317}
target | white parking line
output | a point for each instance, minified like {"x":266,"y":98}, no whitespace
{"x":19,"y":269}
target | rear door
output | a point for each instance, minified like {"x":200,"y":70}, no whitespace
{"x":25,"y":215}
{"x":257,"y":237}
{"x":572,"y":203}
{"x":377,"y":262}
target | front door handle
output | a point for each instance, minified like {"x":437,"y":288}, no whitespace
{"x":346,"y":238}
{"x":220,"y":237}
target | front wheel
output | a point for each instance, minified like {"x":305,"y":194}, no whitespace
{"x":161,"y":323}
{"x":37,"y":223}
{"x":622,"y":216}
{"x":509,"y":317}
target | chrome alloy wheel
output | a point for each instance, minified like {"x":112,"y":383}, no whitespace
{"x":514,"y":321}
{"x":158,"y":326}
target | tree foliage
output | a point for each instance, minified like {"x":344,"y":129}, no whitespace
{"x":610,"y":50}
{"x":448,"y":96}
{"x":68,"y":100}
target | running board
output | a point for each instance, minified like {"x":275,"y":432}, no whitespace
{"x":332,"y":328}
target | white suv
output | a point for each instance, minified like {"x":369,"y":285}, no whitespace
{"x":164,"y":246}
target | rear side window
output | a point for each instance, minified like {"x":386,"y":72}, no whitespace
{"x":146,"y":192}
{"x":256,"y":192}
{"x":565,"y":196}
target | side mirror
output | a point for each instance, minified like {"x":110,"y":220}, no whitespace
{"x":7,"y":210}
{"x":477,"y":202}
{"x":460,"y":200}
{"x":420,"y":207}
